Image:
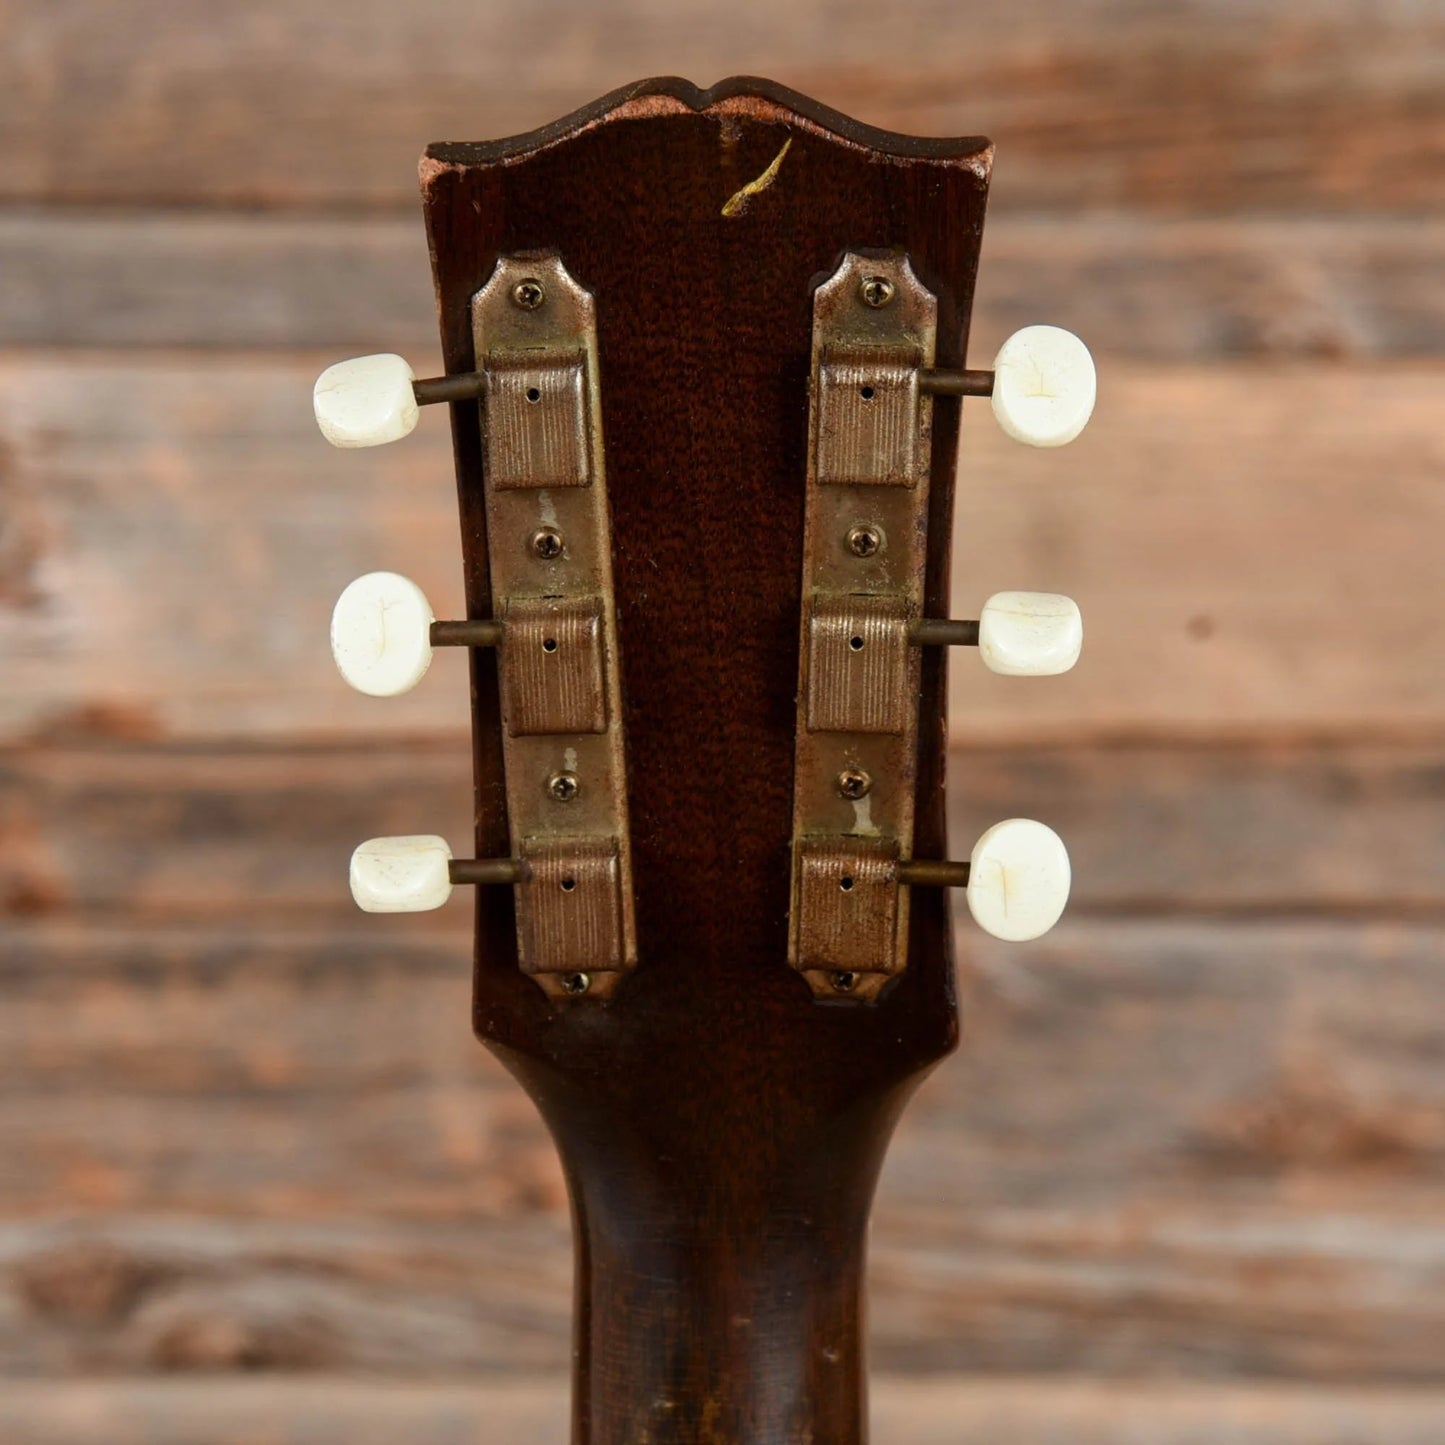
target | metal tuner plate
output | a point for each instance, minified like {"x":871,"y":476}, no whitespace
{"x":550,"y":555}
{"x":864,"y":555}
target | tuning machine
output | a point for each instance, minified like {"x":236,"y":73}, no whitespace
{"x":368,"y":401}
{"x":571,"y":929}
{"x":874,"y":384}
{"x":851,"y":898}
{"x":1043,"y":386}
{"x":552,"y":628}
{"x":383,"y":631}
{"x":1018,"y":634}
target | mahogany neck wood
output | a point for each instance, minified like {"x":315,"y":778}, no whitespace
{"x":721,"y":1130}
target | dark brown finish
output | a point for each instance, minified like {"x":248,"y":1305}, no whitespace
{"x":483,"y":871}
{"x":933,"y":873}
{"x":466,"y":386}
{"x":721,"y":1130}
{"x":956,"y":383}
{"x":476,"y":632}
{"x":944,"y":632}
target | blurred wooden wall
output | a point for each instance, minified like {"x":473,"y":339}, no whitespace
{"x":1186,"y":1181}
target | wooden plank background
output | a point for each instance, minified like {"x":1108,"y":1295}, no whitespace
{"x":1185,"y":1182}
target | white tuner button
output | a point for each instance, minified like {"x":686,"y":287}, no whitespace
{"x":401,"y":875}
{"x":1030,"y":634}
{"x":1043,"y":386}
{"x":1018,"y":880}
{"x":381,"y":634}
{"x":366,"y":401}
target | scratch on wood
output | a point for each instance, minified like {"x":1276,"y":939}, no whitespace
{"x":738,"y":203}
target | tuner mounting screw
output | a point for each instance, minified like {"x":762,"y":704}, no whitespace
{"x":864,"y":540}
{"x":844,"y":982}
{"x":547,"y":543}
{"x":528,"y":294}
{"x":576,"y":983}
{"x":853,"y":783}
{"x":877,"y":291}
{"x":563,"y":787}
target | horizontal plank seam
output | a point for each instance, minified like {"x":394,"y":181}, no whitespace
{"x":172,"y":358}
{"x":943,"y":1383}
{"x":151,"y":927}
{"x":1020,"y":738}
{"x":175,"y":357}
{"x":259,"y":208}
{"x":398,"y":746}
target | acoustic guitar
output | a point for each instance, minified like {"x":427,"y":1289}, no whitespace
{"x":704,"y":357}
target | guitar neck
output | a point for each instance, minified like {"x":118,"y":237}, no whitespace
{"x":723,"y":1140}
{"x":719,"y":1249}
{"x":705,"y":365}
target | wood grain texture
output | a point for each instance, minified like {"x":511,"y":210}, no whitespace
{"x":1167,"y":288}
{"x":1174,"y":106}
{"x":1168,"y":1148}
{"x":251,"y":1161}
{"x":146,"y":833}
{"x":326,"y":1409}
{"x":1208,"y":522}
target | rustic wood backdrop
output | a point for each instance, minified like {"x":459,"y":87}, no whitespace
{"x":1186,"y":1181}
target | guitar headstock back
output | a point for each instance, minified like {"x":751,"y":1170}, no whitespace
{"x":701,"y":226}
{"x":705,"y":360}
{"x":704,"y":354}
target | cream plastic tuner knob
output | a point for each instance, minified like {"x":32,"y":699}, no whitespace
{"x":381,"y":634}
{"x":401,"y":875}
{"x":366,"y":402}
{"x":1030,"y":634}
{"x":1043,"y":386}
{"x":1018,"y":880}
